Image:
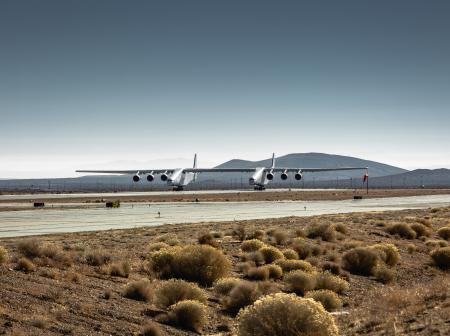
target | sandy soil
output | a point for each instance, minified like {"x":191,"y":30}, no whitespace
{"x":47,"y":302}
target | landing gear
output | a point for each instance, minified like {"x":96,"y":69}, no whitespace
{"x":260,"y":187}
{"x":178,"y":188}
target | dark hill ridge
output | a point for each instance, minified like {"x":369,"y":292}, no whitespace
{"x":321,"y":160}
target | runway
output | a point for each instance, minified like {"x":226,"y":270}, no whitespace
{"x":130,"y":215}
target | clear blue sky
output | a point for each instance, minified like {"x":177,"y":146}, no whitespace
{"x":86,"y":82}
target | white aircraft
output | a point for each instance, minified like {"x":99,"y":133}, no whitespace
{"x":180,"y":177}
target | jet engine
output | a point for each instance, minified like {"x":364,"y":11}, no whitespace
{"x":136,"y":178}
{"x":150,"y":177}
{"x":269,"y":176}
{"x":164,"y":177}
{"x":298,"y":176}
{"x":284,"y":175}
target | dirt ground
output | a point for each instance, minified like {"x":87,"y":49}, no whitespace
{"x":71,"y":298}
{"x":236,"y":196}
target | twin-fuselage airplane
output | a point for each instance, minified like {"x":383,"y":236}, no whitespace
{"x":180,"y":177}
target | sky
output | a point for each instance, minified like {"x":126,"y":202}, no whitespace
{"x":113,"y":83}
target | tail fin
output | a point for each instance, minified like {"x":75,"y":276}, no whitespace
{"x":195,"y":161}
{"x":273,"y":160}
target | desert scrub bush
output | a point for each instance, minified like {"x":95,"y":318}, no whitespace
{"x":25,"y":265}
{"x":3,"y":255}
{"x":189,"y":314}
{"x":302,"y":247}
{"x":360,"y":260}
{"x":435,"y":243}
{"x":257,"y":234}
{"x":285,"y":315}
{"x":441,"y":257}
{"x":290,"y":254}
{"x":299,"y":282}
{"x":444,"y":232}
{"x":119,"y":269}
{"x":150,"y":329}
{"x":331,"y":282}
{"x":172,"y":291}
{"x":388,"y":253}
{"x":245,"y":293}
{"x":256,"y":257}
{"x":384,"y":274}
{"x":280,"y":237}
{"x":275,"y":271}
{"x":198,"y":263}
{"x":239,"y":232}
{"x":288,"y":265}
{"x":73,"y":277}
{"x":257,"y":273}
{"x":208,"y":239}
{"x":252,"y":245}
{"x":140,"y":290}
{"x":425,"y":221}
{"x":329,"y":299}
{"x":404,"y":230}
{"x":325,"y":231}
{"x":341,"y":228}
{"x":411,"y":248}
{"x":420,"y":230}
{"x":270,"y":254}
{"x":30,"y":248}
{"x":97,"y":258}
{"x":225,"y":285}
{"x":156,"y":246}
{"x":332,"y":267}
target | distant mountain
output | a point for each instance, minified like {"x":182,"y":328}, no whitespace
{"x":320,"y":160}
{"x":427,"y":178}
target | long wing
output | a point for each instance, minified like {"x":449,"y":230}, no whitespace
{"x":125,"y":172}
{"x":314,"y":170}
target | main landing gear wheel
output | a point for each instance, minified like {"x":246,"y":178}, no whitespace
{"x":178,"y":188}
{"x":260,"y":188}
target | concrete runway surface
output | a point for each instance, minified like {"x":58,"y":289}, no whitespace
{"x":130,"y":215}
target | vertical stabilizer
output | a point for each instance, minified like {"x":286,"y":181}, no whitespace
{"x":273,"y":160}
{"x":195,"y":161}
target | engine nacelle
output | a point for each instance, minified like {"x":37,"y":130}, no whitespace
{"x":269,"y":176}
{"x":164,"y":177}
{"x":298,"y":176}
{"x":136,"y":178}
{"x":284,"y":175}
{"x":150,"y":177}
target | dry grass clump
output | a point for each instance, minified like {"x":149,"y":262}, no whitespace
{"x":280,"y":237}
{"x":441,"y":257}
{"x":403,"y":230}
{"x":73,"y":277}
{"x":257,"y":234}
{"x":270,"y":254}
{"x":435,"y":243}
{"x":30,"y":248}
{"x":49,"y":273}
{"x":384,"y":274}
{"x":411,"y":248}
{"x":255,"y":257}
{"x":139,"y":290}
{"x":239,"y":232}
{"x":208,"y":239}
{"x":252,"y":245}
{"x":388,"y":253}
{"x":444,"y":232}
{"x":285,"y":315}
{"x":302,"y":247}
{"x":341,"y":228}
{"x":3,"y":255}
{"x":275,"y":271}
{"x":290,"y":254}
{"x":151,"y":329}
{"x":331,"y":282}
{"x":189,"y":314}
{"x":288,"y":265}
{"x":97,"y":258}
{"x":119,"y":269}
{"x":329,"y":299}
{"x":420,"y":230}
{"x":257,"y":273}
{"x":360,"y":260}
{"x":49,"y":254}
{"x":300,"y":282}
{"x":156,"y":246}
{"x":332,"y":267}
{"x":325,"y":231}
{"x":25,"y":265}
{"x":245,"y":293}
{"x":198,"y":263}
{"x":225,"y":285}
{"x":173,"y":291}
